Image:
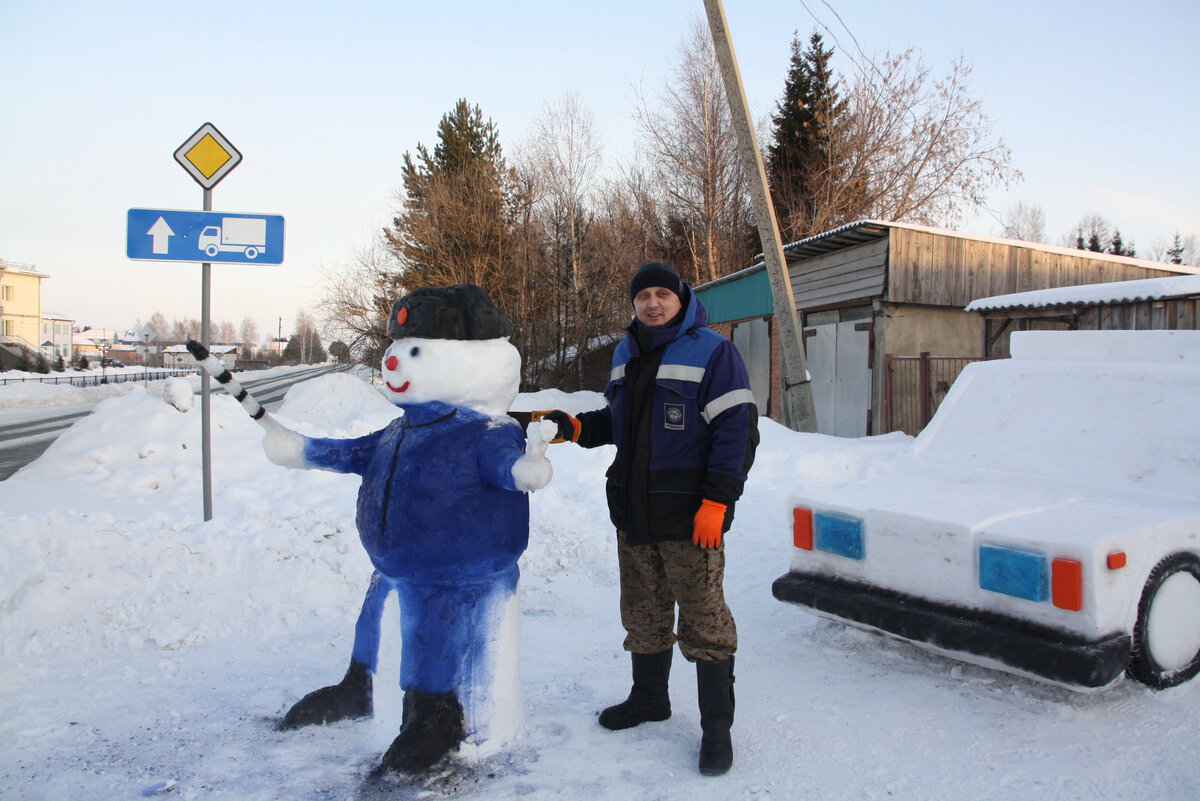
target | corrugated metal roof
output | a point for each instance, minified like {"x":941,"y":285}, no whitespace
{"x":1144,"y":289}
{"x":849,"y":235}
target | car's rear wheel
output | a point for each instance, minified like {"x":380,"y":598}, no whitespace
{"x":1166,"y":637}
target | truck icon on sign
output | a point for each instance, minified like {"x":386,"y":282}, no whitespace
{"x":245,"y":234}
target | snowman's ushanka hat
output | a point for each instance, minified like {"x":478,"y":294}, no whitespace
{"x":462,"y":311}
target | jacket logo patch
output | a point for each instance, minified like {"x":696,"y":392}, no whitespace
{"x":673,"y":416}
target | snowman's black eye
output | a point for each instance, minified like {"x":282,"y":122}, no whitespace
{"x":415,"y":351}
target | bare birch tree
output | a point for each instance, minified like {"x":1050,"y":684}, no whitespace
{"x":689,"y":135}
{"x":1025,"y":221}
{"x":358,"y":298}
{"x":562,"y":157}
{"x":913,"y":147}
{"x":564,"y":152}
{"x":248,"y":333}
{"x":1092,"y":232}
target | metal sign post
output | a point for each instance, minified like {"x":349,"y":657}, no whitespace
{"x":161,"y":235}
{"x":208,"y":157}
{"x":205,"y":382}
{"x":798,"y":412}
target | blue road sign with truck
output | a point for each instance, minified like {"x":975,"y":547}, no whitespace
{"x":204,"y":236}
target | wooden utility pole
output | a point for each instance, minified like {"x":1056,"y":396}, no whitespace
{"x":798,"y":412}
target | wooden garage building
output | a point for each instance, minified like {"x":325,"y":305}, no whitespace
{"x":882,"y":307}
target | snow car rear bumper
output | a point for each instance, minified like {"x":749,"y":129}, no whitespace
{"x":1022,"y":646}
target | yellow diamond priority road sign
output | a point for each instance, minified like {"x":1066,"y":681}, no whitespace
{"x":207,"y":156}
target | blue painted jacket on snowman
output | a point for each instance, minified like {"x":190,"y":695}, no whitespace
{"x":444,"y":524}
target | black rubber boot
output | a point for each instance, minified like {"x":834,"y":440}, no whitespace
{"x":349,"y":698}
{"x":433,"y":724}
{"x":714,"y":689}
{"x":648,"y":700}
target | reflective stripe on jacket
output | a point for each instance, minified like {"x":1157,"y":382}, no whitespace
{"x":684,"y":421}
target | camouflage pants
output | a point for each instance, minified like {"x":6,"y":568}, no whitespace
{"x":656,"y":577}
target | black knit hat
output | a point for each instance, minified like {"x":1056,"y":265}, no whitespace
{"x":462,"y":311}
{"x":655,"y":273}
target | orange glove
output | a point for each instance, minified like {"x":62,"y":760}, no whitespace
{"x":568,"y":426}
{"x":708,"y":521}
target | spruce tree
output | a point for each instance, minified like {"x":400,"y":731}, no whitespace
{"x":800,"y":159}
{"x":1175,"y":252}
{"x":1116,"y":246}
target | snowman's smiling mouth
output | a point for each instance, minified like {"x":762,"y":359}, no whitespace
{"x":403,"y":387}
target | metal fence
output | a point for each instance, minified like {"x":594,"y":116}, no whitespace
{"x":94,"y":379}
{"x":914,"y":386}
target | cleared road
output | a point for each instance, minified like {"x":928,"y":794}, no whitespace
{"x":25,"y":435}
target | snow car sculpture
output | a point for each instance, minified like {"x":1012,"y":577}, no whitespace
{"x":1046,"y":522}
{"x":444,"y":516}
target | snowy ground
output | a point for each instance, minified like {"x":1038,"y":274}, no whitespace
{"x":144,"y":652}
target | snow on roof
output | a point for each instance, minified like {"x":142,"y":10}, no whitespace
{"x":1093,"y":294}
{"x":94,"y":335}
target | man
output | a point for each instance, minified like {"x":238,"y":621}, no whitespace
{"x":685,"y":424}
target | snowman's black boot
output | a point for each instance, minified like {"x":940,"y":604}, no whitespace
{"x":433,"y":724}
{"x":349,"y":698}
{"x":714,"y":689}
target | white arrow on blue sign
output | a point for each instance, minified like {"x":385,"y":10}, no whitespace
{"x":204,"y":236}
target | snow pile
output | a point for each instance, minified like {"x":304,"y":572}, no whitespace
{"x":143,"y":650}
{"x":178,"y":392}
{"x":27,"y":394}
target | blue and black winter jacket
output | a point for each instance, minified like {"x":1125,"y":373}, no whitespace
{"x":685,"y":424}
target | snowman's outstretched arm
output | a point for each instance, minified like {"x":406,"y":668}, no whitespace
{"x":533,"y":471}
{"x":283,"y":446}
{"x":213,"y":366}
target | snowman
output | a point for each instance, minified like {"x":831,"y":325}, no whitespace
{"x":443,"y":513}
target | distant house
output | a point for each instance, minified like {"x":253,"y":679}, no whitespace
{"x":882,"y":305}
{"x":83,"y":345}
{"x":20,"y":312}
{"x":93,"y":343}
{"x":56,"y":336}
{"x":177,"y":356}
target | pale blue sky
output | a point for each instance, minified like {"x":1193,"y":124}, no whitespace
{"x":1098,"y":102}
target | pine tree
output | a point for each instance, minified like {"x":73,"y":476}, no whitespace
{"x":454,"y":227}
{"x":800,"y":162}
{"x":465,"y":141}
